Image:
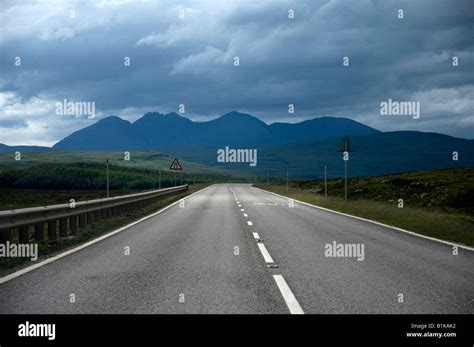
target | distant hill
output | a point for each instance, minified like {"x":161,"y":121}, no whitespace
{"x":4,"y":148}
{"x":156,"y":130}
{"x":376,"y":154}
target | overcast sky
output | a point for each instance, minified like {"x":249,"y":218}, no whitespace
{"x":76,"y":49}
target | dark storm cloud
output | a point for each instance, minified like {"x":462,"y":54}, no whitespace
{"x":282,"y":61}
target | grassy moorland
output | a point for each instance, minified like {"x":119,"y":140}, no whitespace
{"x":150,"y":160}
{"x":48,"y":184}
{"x":438,"y":203}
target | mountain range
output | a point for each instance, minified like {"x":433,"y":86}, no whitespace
{"x":155,"y":130}
{"x":302,"y":148}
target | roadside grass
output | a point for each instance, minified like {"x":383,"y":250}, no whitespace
{"x":47,"y":249}
{"x":452,"y":226}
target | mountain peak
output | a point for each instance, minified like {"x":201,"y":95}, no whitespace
{"x":111,"y":120}
{"x":235,"y":114}
{"x":173,"y":114}
{"x":236,"y":117}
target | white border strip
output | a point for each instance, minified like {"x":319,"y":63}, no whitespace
{"x":89,"y":243}
{"x":288,"y":296}
{"x":373,"y":222}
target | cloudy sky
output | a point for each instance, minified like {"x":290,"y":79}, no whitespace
{"x":184,"y":53}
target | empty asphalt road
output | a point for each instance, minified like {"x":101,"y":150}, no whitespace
{"x":233,"y":248}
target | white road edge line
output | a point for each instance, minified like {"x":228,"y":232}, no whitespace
{"x":288,"y":296}
{"x":249,"y":222}
{"x":246,"y":215}
{"x":268,"y":258}
{"x":89,"y":243}
{"x":256,"y":236}
{"x":374,"y":222}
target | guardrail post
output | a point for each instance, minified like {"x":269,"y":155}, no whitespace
{"x":63,"y":227}
{"x":96,"y":216}
{"x":24,"y":235}
{"x":82,"y":220}
{"x":39,"y":231}
{"x":90,"y":217}
{"x":52,"y":232}
{"x":73,"y":222}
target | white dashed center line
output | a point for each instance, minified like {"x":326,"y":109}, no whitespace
{"x":268,"y":258}
{"x":288,"y":296}
{"x":285,"y":290}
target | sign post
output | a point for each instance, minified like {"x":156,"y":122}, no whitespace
{"x":176,"y":166}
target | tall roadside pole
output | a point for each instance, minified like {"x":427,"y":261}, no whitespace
{"x":345,"y":148}
{"x":325,"y":183}
{"x":107,"y":177}
{"x":159,"y":178}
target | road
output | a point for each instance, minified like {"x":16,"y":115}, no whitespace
{"x":204,"y":257}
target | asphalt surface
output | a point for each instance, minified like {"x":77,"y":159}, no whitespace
{"x":204,"y":258}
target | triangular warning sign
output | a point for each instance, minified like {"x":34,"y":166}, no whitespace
{"x":175,"y":165}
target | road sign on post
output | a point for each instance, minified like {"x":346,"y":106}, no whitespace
{"x":175,"y":165}
{"x":345,"y":148}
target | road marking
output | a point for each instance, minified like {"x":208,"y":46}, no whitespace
{"x":242,"y":209}
{"x":249,"y":222}
{"x":374,"y":222}
{"x":246,"y":215}
{"x":89,"y":243}
{"x":255,"y":236}
{"x":288,"y":296}
{"x":268,"y":258}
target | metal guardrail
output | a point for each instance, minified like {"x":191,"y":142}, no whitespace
{"x":69,"y":218}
